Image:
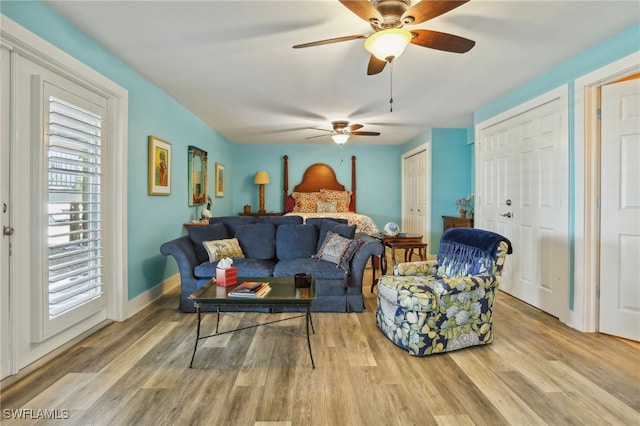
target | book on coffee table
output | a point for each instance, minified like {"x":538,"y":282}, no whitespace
{"x":256,"y":289}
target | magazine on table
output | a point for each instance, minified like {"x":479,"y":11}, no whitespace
{"x":257,"y":289}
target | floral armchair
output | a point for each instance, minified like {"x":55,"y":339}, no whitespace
{"x":438,"y":306}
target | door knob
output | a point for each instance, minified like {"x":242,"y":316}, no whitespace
{"x":507,"y":214}
{"x":7,"y":230}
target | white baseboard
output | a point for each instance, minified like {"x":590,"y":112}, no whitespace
{"x":145,"y":299}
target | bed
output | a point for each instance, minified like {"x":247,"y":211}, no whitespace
{"x":319,"y":194}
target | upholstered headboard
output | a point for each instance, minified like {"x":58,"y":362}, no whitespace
{"x":317,"y":176}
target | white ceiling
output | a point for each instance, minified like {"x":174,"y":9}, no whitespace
{"x":232,"y":63}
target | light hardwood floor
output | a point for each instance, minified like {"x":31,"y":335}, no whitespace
{"x":537,"y":371}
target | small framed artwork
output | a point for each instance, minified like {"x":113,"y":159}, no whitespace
{"x":219,"y":180}
{"x":197,"y":176}
{"x":159,"y":166}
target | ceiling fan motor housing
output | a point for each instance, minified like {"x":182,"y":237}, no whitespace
{"x":391,"y":11}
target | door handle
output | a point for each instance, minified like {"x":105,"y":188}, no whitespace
{"x":507,"y":214}
{"x":7,"y":230}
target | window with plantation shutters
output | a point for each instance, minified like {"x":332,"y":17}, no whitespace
{"x":74,"y":206}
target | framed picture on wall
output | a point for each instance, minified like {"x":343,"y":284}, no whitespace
{"x":159,"y":166}
{"x":197,"y":176}
{"x":219,"y":180}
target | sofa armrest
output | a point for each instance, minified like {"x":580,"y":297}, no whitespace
{"x":449,"y":286}
{"x":184,"y":254}
{"x":370,"y":247}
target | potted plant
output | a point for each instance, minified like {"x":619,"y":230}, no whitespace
{"x":465,"y":206}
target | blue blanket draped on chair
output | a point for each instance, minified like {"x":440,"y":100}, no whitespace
{"x":468,"y":252}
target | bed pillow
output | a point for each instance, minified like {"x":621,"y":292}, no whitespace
{"x":305,"y":201}
{"x":338,"y":249}
{"x":326,"y":207}
{"x":219,"y":249}
{"x":341,"y":198}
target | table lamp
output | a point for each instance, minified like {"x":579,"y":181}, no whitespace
{"x":262,"y":178}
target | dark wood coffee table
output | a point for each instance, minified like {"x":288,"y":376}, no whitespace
{"x":283,"y":294}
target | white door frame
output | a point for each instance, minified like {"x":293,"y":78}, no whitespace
{"x":427,"y":225}
{"x":584,"y":315}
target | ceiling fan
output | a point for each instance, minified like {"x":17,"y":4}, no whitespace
{"x":387,"y":18}
{"x":342,"y":130}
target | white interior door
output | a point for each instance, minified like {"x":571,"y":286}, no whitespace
{"x":522,"y":188}
{"x":416,"y":193}
{"x":620,"y":210}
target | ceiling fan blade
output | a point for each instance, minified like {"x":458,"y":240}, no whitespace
{"x":366,"y":133}
{"x":363,"y":9}
{"x":442,"y":41}
{"x":319,"y":136}
{"x":354,"y":127}
{"x":330,"y":40}
{"x":375,"y":65}
{"x":425,"y":10}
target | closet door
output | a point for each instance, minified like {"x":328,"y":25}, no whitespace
{"x":416,"y":193}
{"x":523,"y":186}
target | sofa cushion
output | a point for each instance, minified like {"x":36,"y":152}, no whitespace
{"x":281,"y":220}
{"x":342,"y":229}
{"x":219,"y":249}
{"x":320,"y":269}
{"x":246,"y":268}
{"x":294,"y":241}
{"x":258,"y":240}
{"x":338,"y":249}
{"x":200,"y":234}
{"x":232,"y":222}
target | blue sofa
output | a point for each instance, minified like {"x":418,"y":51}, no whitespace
{"x":276,"y":246}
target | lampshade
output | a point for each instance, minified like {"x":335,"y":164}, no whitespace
{"x":340,"y":138}
{"x":261,"y":178}
{"x":387,"y":45}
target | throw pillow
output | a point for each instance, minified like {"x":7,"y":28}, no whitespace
{"x":342,"y":198}
{"x":329,"y":225}
{"x":326,"y":207}
{"x":219,"y":249}
{"x":338,"y":249}
{"x":305,"y":201}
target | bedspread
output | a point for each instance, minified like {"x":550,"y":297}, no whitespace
{"x":363,"y":223}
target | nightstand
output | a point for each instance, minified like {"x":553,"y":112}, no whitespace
{"x":456,"y":222}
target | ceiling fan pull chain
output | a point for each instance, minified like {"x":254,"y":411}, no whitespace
{"x":391,"y":88}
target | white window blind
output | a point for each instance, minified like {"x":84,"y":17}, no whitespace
{"x":74,"y":207}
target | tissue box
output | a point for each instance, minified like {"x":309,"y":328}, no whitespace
{"x":226,"y":277}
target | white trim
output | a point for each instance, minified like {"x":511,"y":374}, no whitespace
{"x":584,"y":316}
{"x":148,"y":297}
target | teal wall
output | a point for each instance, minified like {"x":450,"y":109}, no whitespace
{"x":377,"y":173}
{"x":153,"y":220}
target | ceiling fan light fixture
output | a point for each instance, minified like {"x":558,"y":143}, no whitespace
{"x":340,"y":138}
{"x":387,"y":45}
